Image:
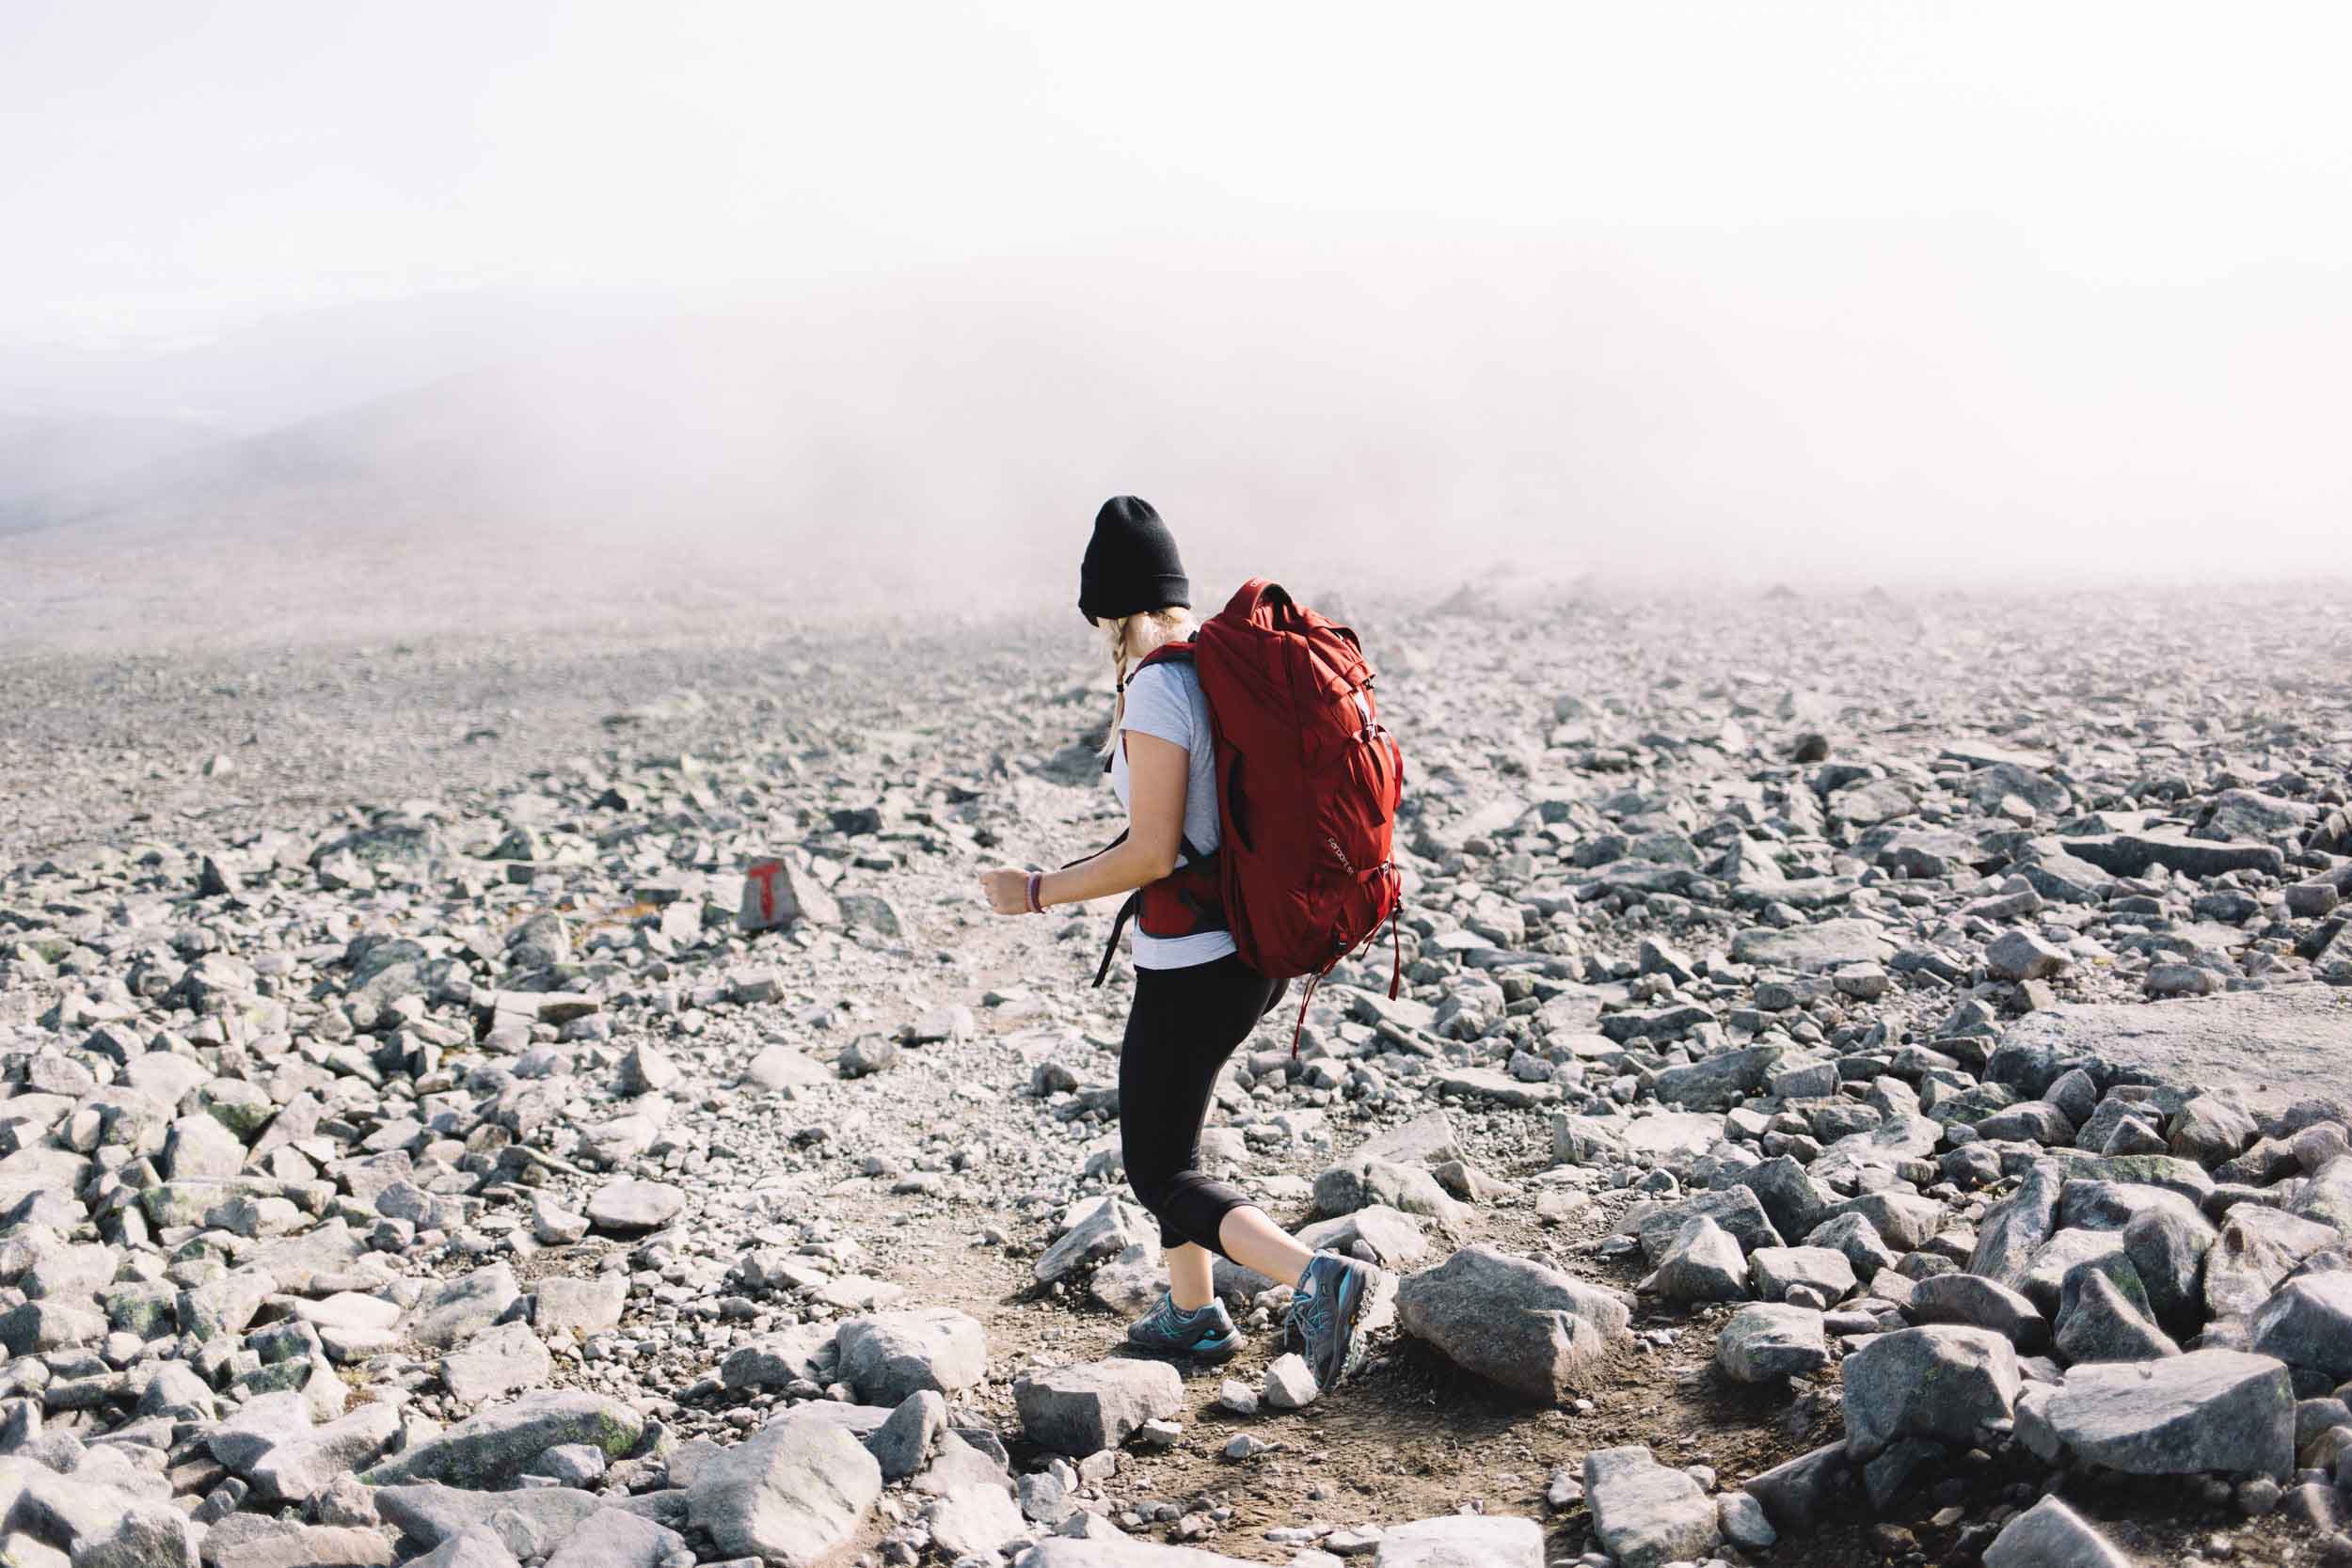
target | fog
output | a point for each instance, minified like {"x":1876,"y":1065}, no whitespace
{"x":881,"y":301}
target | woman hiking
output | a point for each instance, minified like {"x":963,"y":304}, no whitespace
{"x":1195,"y":999}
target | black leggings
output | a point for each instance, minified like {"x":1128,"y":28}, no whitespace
{"x":1183,"y":1024}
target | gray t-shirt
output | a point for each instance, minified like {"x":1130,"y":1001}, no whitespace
{"x":1164,"y":700}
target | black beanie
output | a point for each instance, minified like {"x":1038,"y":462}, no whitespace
{"x":1131,"y":564}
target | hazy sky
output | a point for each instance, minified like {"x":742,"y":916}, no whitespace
{"x":1953,"y":285}
{"x":176,"y":165}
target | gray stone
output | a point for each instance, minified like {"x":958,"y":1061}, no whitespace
{"x":455,"y":1310}
{"x":1083,"y":1409}
{"x":489,"y":1449}
{"x":2097,"y":1321}
{"x":1979,"y":1302}
{"x":2016,"y":1227}
{"x":581,"y":1465}
{"x":1744,"y":1522}
{"x":780,"y":1067}
{"x":2308,"y":1324}
{"x":566,"y":1304}
{"x":1105,"y":1228}
{"x":1797,"y":1492}
{"x":1645,"y":1514}
{"x":2019,"y":955}
{"x":616,"y":1538}
{"x":1792,"y":1200}
{"x":779,"y":889}
{"x":1719,"y":1082}
{"x":2167,"y":1245}
{"x":902,"y":1444}
{"x":1512,"y":1320}
{"x":258,"y":1540}
{"x":2210,"y":1130}
{"x":1823,"y":945}
{"x":1858,"y":1241}
{"x":867,"y":1054}
{"x":1290,"y":1384}
{"x":1906,"y":1220}
{"x":792,"y":1493}
{"x":1942,"y":1383}
{"x":261,"y":1424}
{"x":475,"y":1546}
{"x":2207,"y":1410}
{"x":299,"y":1468}
{"x":1360,"y":1184}
{"x":1767,"y":1340}
{"x":2282,"y":1044}
{"x":889,"y":1355}
{"x":631,"y":1207}
{"x":494,"y":1362}
{"x":144,"y":1535}
{"x":1702,"y":1263}
{"x":2051,"y":1535}
{"x":804,"y":1350}
{"x":1736,"y":1210}
{"x":2035,"y":1121}
{"x":1461,"y":1540}
{"x":2064,"y":1252}
{"x":430,"y":1513}
{"x":1065,"y":1552}
{"x":974,"y":1520}
{"x":1826,"y":1272}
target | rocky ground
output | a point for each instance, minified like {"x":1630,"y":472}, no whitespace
{"x":1871,"y":1086}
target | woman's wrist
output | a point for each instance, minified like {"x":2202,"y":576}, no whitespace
{"x":1036,"y":893}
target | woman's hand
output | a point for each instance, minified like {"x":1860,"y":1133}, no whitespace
{"x":1006,"y":892}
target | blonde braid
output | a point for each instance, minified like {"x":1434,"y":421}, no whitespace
{"x":1174,"y":624}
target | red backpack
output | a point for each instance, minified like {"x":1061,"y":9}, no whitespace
{"x":1308,"y":782}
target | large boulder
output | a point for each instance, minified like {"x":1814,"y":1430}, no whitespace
{"x":1719,"y":1082}
{"x":297,"y":1470}
{"x":888,"y":1355}
{"x":1084,"y":1409}
{"x":429,"y":1514}
{"x":1942,"y":1383}
{"x":2255,"y":1251}
{"x":792,"y":1495}
{"x":2308,"y":1324}
{"x":1513,"y":1320}
{"x":2208,"y":1410}
{"x":488,"y":1450}
{"x":1979,"y":1302}
{"x":2279,"y":1045}
{"x":1736,"y":1210}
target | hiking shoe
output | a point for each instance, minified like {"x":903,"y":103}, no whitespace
{"x":1337,"y":1302}
{"x":1167,"y":1329}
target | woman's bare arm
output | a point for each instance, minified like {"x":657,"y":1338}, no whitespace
{"x":1158,"y":774}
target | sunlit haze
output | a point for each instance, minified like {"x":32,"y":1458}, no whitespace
{"x":2003,"y":295}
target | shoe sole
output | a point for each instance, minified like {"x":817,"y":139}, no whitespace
{"x":1223,"y":1348}
{"x":1359,"y":1311}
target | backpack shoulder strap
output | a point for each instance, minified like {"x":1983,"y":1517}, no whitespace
{"x":1181,"y":651}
